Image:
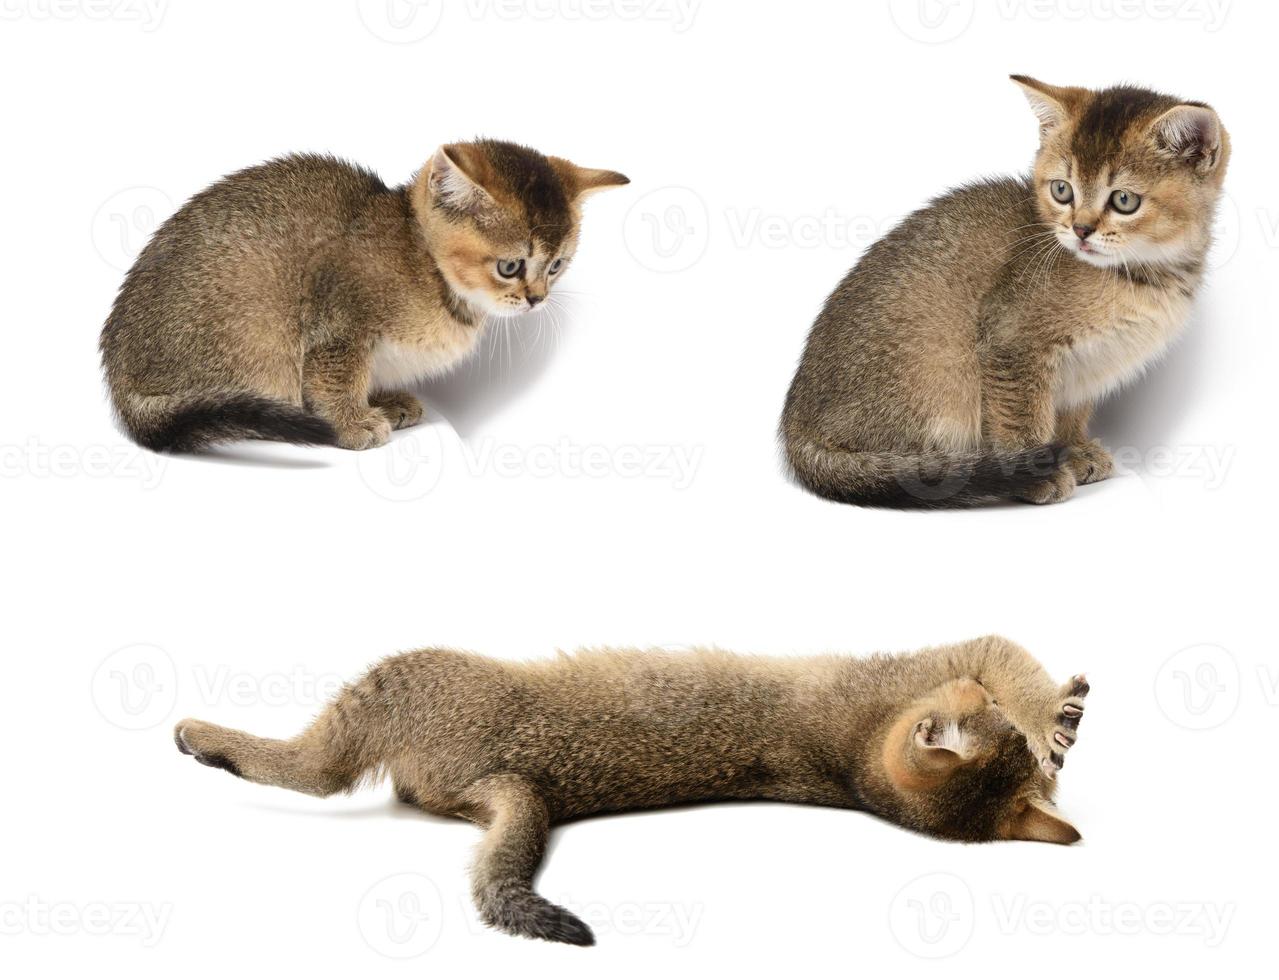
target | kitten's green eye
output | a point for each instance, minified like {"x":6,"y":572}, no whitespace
{"x":555,"y":267}
{"x":1125,"y":202}
{"x":1061,"y":191}
{"x":510,"y":268}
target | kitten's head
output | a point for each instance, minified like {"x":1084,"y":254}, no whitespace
{"x":502,"y":220}
{"x":1125,"y":174}
{"x":959,"y":769}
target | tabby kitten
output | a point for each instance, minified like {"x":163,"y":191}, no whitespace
{"x":960,"y":360}
{"x":297,"y":299}
{"x":962,"y":742}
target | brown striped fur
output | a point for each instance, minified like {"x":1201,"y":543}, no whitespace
{"x":297,"y":299}
{"x":961,"y":741}
{"x":958,"y":363}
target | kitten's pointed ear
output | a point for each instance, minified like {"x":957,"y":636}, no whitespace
{"x":583,"y":181}
{"x":920,"y":755}
{"x":1191,"y":133}
{"x":1039,"y":821}
{"x":1050,"y":104}
{"x":453,"y":178}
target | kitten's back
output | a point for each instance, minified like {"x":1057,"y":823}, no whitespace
{"x":917,"y":290}
{"x":234,"y":254}
{"x":205,"y":333}
{"x":886,"y":405}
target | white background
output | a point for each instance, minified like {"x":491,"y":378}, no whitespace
{"x":242,"y":587}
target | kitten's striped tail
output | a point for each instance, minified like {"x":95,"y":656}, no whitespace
{"x":507,"y":861}
{"x":937,"y":480}
{"x":183,"y":424}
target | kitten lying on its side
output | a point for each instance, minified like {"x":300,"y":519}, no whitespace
{"x":961,"y":741}
{"x":293,"y":300}
{"x":959,"y":361}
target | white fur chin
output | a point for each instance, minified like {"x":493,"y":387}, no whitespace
{"x":480,"y":302}
{"x":504,"y":312}
{"x":1095,"y":259}
{"x":1137,"y":254}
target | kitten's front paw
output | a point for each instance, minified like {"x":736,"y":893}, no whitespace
{"x":1058,"y":487}
{"x":1090,"y":462}
{"x":401,"y":408}
{"x":1065,"y":727}
{"x":365,"y":432}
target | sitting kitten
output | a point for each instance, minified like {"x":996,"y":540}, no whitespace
{"x":959,"y":361}
{"x":961,"y":741}
{"x":295,"y":299}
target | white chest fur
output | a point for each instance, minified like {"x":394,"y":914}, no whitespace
{"x":1145,"y":320}
{"x":398,"y":364}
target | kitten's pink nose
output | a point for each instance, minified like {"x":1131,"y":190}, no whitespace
{"x":1083,"y":231}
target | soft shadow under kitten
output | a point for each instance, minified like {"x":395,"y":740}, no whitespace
{"x":961,"y":742}
{"x":297,"y":299}
{"x":959,"y":361}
